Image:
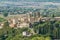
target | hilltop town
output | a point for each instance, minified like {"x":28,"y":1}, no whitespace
{"x":30,"y":24}
{"x":29,"y":19}
{"x":24,"y":20}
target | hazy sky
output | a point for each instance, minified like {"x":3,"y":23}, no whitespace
{"x":29,"y":2}
{"x":33,"y":0}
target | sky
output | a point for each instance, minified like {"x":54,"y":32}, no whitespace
{"x":32,"y":0}
{"x":29,"y":2}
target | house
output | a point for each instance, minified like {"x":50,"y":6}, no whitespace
{"x":26,"y":33}
{"x":57,"y":18}
{"x":22,"y":25}
{"x":12,"y":25}
{"x":1,"y":25}
{"x":23,"y":20}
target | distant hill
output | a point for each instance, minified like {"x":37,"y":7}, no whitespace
{"x":20,"y":5}
{"x":50,"y":6}
{"x":28,"y":3}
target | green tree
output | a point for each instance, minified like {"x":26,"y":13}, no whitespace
{"x":48,"y":38}
{"x":38,"y":38}
{"x":5,"y":14}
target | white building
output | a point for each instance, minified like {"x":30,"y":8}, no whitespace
{"x":23,"y":25}
{"x":1,"y":25}
{"x":26,"y":33}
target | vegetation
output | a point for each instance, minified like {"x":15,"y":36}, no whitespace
{"x":2,"y":19}
{"x":50,"y":28}
{"x":5,"y":14}
{"x":44,"y":31}
{"x":47,"y":30}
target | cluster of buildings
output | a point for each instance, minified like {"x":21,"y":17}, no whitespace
{"x":23,"y":20}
